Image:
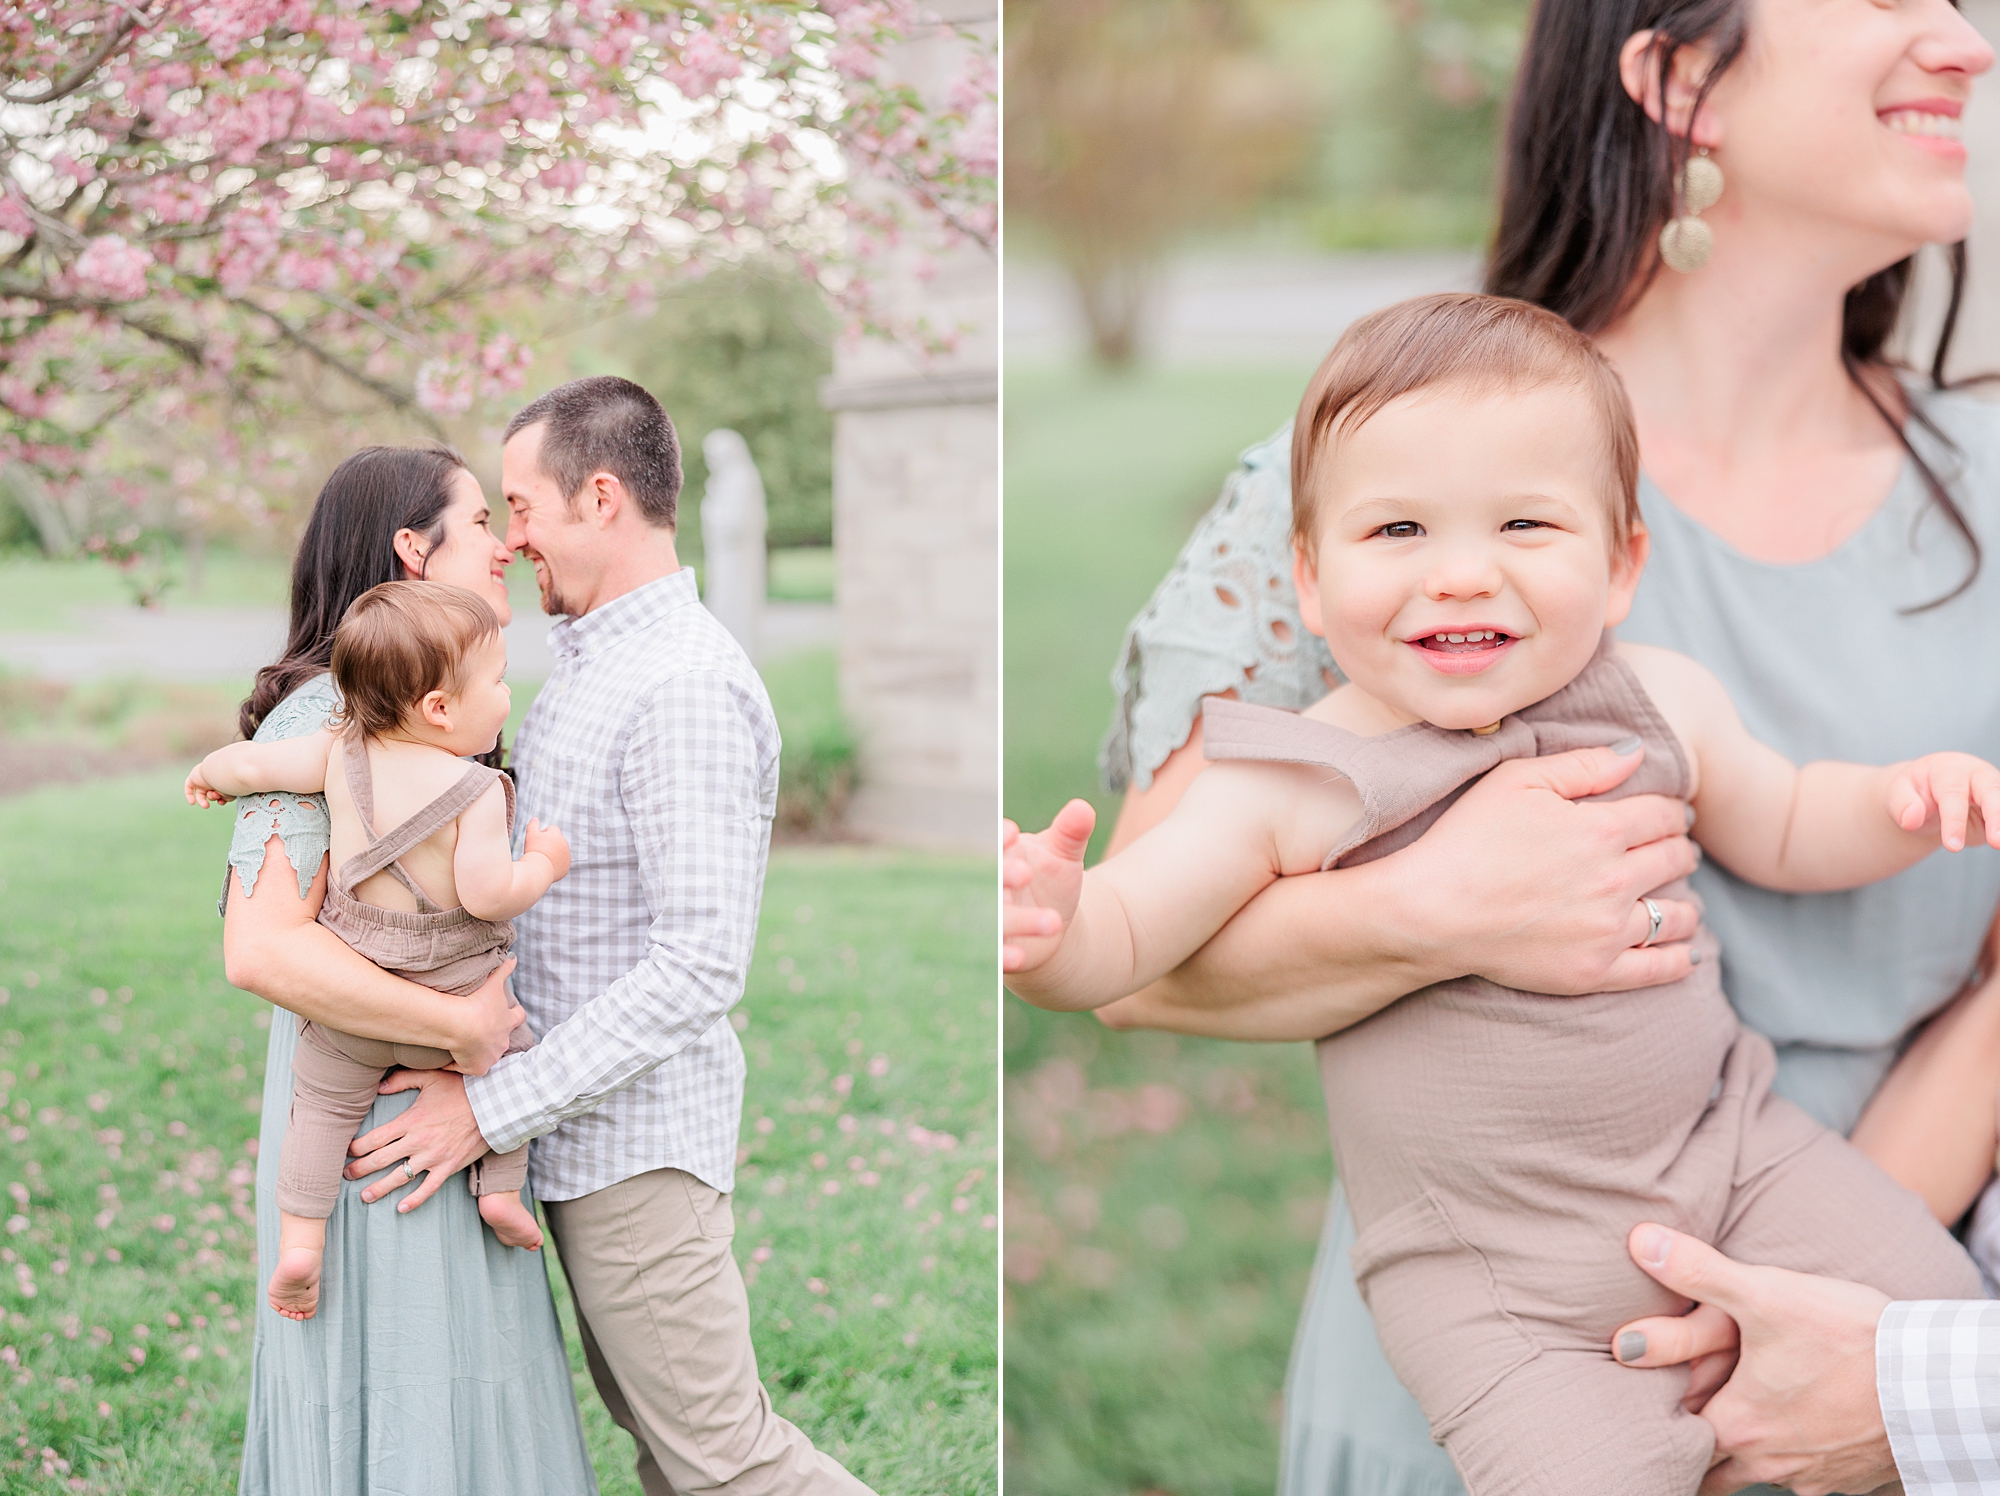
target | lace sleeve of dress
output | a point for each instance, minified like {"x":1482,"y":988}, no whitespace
{"x":1225,"y":618}
{"x":299,"y":820}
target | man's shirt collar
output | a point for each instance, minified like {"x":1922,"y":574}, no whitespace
{"x":641,"y":608}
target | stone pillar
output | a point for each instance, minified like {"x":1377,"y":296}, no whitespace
{"x":916,"y":534}
{"x":732,"y":537}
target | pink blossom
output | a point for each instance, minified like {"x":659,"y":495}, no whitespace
{"x":443,"y":389}
{"x":704,"y":62}
{"x":113,"y":269}
{"x":346,"y":202}
{"x":228,"y":24}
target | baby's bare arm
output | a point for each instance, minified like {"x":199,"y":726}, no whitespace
{"x":293,"y":765}
{"x":489,"y":882}
{"x":1143,"y":912}
{"x":1815,"y":828}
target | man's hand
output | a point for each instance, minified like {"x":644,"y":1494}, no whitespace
{"x":1801,"y":1409}
{"x":490,"y":1023}
{"x":438,"y":1135}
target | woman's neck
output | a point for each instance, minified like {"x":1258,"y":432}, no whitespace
{"x":1747,"y":419}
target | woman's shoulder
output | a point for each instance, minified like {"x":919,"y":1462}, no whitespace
{"x":305,"y":710}
{"x":1968,"y":418}
{"x":1224,"y":618}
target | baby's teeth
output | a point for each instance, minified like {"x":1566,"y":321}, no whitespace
{"x":1454,"y":638}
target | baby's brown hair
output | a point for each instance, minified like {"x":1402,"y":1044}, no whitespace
{"x":397,"y":643}
{"x":1473,"y":341}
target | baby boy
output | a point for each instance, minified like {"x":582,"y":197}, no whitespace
{"x":1464,"y":473}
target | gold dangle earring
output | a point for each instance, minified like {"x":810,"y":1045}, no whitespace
{"x":1686,"y":242}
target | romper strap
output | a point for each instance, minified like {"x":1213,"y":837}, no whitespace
{"x":383,"y":851}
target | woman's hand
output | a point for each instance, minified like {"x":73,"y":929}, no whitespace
{"x":490,"y":1023}
{"x":1519,"y":882}
{"x":1545,"y":891}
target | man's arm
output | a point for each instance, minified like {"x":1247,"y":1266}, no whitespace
{"x":274,"y":946}
{"x":690,"y":782}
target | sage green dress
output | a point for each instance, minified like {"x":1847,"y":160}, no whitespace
{"x":1823,"y":660}
{"x":435,"y":1365}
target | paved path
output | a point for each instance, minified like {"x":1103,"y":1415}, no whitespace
{"x":231,"y":644}
{"x":1242,"y":310}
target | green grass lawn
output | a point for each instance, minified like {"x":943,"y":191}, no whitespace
{"x":129,"y":1078}
{"x":803,"y":574}
{"x":1163,"y":1195}
{"x":37,"y":595}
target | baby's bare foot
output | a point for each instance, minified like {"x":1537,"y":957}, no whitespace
{"x":511,"y":1221}
{"x":294,"y":1288}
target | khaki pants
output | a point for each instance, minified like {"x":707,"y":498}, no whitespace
{"x":666,"y":1330}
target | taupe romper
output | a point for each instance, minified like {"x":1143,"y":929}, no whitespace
{"x":334,"y":1074}
{"x":1497,"y":1146}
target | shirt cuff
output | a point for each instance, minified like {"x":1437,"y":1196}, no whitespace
{"x":504,"y":1105}
{"x":1937,"y":1373}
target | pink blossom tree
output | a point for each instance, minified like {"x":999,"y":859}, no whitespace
{"x":203,"y":202}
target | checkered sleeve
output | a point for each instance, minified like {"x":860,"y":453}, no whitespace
{"x":1937,"y":1368}
{"x":688,"y":780}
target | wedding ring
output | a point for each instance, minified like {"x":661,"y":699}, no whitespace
{"x":1654,"y":919}
{"x":410,"y":1173}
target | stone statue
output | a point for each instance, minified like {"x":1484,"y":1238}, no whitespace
{"x":732,"y":537}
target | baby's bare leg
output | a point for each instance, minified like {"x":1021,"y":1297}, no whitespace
{"x":497,"y":1179}
{"x":331,"y":1092}
{"x":294,"y":1287}
{"x":511,"y":1221}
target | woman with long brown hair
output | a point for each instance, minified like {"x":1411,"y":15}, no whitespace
{"x":435,"y":1363}
{"x":1729,"y":199}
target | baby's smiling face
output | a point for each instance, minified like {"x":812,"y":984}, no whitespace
{"x":1465,"y":564}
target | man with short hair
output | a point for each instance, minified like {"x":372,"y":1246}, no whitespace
{"x":653,"y":748}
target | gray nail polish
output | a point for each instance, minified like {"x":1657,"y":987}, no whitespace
{"x":1631,"y":1345}
{"x":1626,"y":747}
{"x":1694,"y":958}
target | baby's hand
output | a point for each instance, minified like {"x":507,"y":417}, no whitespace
{"x":1043,"y":877}
{"x":199,"y":793}
{"x":552,"y":844}
{"x":1943,"y":788}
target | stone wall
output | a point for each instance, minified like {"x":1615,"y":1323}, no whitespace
{"x":916,"y":535}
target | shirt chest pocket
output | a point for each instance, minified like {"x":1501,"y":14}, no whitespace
{"x":570,"y":793}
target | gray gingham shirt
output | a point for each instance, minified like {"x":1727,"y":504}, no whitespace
{"x":1937,"y":1371}
{"x":653,"y":749}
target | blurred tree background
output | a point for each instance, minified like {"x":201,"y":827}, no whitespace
{"x":743,"y":349}
{"x":743,"y":346}
{"x":1137,"y":128}
{"x":1165,"y":1194}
